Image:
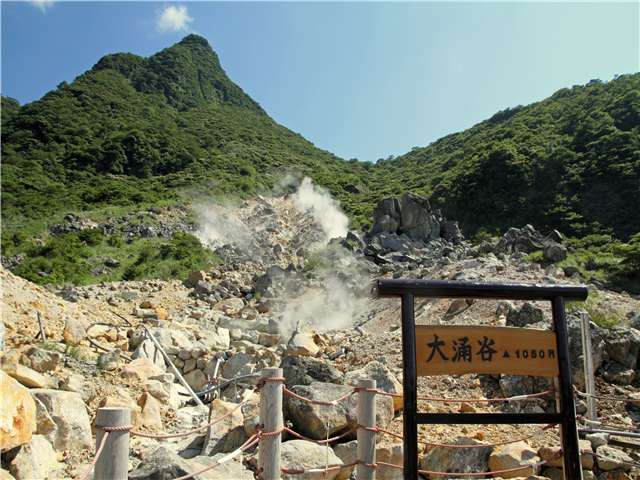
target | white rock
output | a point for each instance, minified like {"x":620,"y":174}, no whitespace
{"x":35,"y":459}
{"x":69,"y":413}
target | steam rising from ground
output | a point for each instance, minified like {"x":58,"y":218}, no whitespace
{"x":220,"y":226}
{"x":323,"y":311}
{"x":317,"y":201}
{"x":332,"y":305}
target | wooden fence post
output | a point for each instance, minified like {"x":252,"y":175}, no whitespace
{"x":589,"y":379}
{"x":113,"y":463}
{"x":366,"y":438}
{"x":271,"y":417}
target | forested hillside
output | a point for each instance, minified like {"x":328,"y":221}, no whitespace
{"x":136,"y":130}
{"x":570,"y":162}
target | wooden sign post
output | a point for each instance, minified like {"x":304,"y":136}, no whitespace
{"x":438,"y":350}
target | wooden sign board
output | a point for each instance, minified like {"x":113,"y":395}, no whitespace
{"x":452,"y":349}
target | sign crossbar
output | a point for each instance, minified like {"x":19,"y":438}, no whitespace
{"x":459,"y":358}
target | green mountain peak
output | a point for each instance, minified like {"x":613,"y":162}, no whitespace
{"x":187,"y":74}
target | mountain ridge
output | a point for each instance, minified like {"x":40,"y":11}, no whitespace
{"x":136,"y":130}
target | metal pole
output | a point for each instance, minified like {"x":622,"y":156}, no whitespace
{"x":173,"y":367}
{"x":589,"y":378}
{"x":410,"y":389}
{"x":568,"y":428}
{"x":366,"y":438}
{"x":271,"y":417}
{"x":113,"y":462}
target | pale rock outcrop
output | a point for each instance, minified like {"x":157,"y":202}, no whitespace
{"x":140,"y":369}
{"x":151,"y":417}
{"x":110,"y":360}
{"x":35,"y":459}
{"x":549,"y":452}
{"x":311,"y":420}
{"x":385,"y":380}
{"x":77,"y":383}
{"x":303,"y":455}
{"x":4,"y":474}
{"x":458,"y":460}
{"x":18,"y":414}
{"x":26,"y":376}
{"x":69,"y":413}
{"x":43,"y":360}
{"x":514,"y":455}
{"x":216,"y":432}
{"x":300,"y":344}
{"x":74,"y":331}
{"x":195,"y":379}
{"x":157,"y":390}
{"x":239,"y":364}
{"x":611,"y":458}
{"x":44,"y":422}
{"x":148,"y":350}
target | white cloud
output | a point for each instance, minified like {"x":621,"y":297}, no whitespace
{"x":174,"y":19}
{"x":43,"y":5}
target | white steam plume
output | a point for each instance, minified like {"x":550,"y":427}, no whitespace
{"x":325,"y":211}
{"x":219,"y":225}
{"x":331,"y":309}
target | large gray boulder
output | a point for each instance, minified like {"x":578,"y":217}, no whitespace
{"x":272,"y":278}
{"x":162,"y":464}
{"x":416,"y":218}
{"x":385,"y":380}
{"x":529,"y":314}
{"x":555,"y":253}
{"x":614,"y":372}
{"x":165,"y":464}
{"x":576,"y":352}
{"x":77,"y":383}
{"x":386,"y":216}
{"x":69,"y":413}
{"x":239,"y":364}
{"x":304,"y":370}
{"x":43,"y":360}
{"x":456,"y":460}
{"x":147,"y":349}
{"x":300,"y":454}
{"x":515,"y":385}
{"x":34,"y":460}
{"x":318,"y":421}
{"x":623,"y":344}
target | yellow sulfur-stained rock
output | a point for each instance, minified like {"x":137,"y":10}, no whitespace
{"x":140,"y":369}
{"x":151,"y":416}
{"x":18,"y":414}
{"x":515,"y":455}
{"x":27,"y":377}
{"x":4,"y":475}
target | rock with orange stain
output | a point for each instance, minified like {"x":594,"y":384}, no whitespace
{"x":18,"y":414}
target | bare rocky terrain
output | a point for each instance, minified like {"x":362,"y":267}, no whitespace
{"x":261,"y":308}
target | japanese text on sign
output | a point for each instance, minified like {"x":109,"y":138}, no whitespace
{"x":459,"y":349}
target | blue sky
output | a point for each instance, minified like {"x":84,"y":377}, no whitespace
{"x":361,"y":79}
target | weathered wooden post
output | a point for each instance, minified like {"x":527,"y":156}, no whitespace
{"x":589,"y":379}
{"x":271,"y":417}
{"x":366,"y":438}
{"x":113,"y":463}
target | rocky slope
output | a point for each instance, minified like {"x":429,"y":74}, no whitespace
{"x":287,"y":295}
